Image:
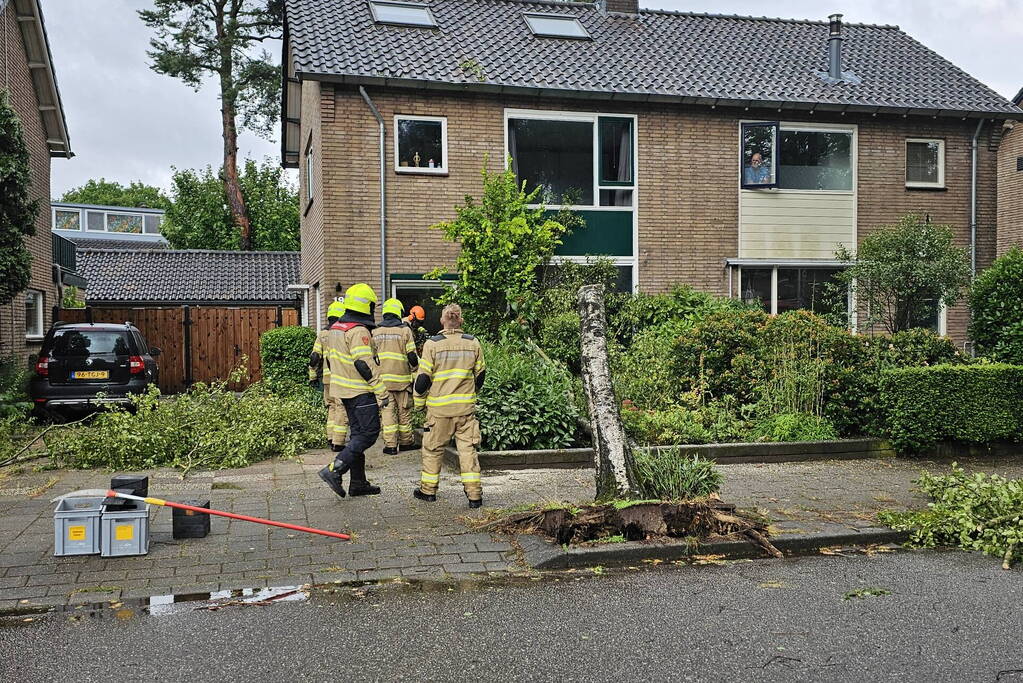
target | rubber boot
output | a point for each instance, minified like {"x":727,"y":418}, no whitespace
{"x":358,"y":485}
{"x":331,"y":475}
{"x":390,"y":450}
{"x":408,"y":447}
{"x":474,"y":504}
{"x":428,"y":497}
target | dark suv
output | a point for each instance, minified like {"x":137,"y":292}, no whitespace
{"x":80,"y":360}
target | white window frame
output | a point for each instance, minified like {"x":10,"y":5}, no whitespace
{"x":783,"y":126}
{"x":800,"y":265}
{"x":940,"y":184}
{"x":615,"y":261}
{"x":397,"y":3}
{"x":419,"y":170}
{"x":439,"y":285}
{"x":528,"y":16}
{"x":309,"y":175}
{"x":81,"y":227}
{"x":594,"y":118}
{"x":40,"y":320}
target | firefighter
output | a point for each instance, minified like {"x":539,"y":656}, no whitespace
{"x":451,"y":371}
{"x":355,"y":382}
{"x":415,"y":319}
{"x":319,"y":373}
{"x":396,"y":350}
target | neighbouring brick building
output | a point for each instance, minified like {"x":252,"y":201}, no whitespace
{"x":1010,"y":184}
{"x":28,"y":77}
{"x":734,"y":154}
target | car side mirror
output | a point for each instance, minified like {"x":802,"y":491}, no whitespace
{"x":154,"y":351}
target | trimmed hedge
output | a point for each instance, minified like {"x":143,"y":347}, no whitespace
{"x":961,"y":403}
{"x":284,"y":352}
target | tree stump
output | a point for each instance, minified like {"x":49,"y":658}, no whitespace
{"x":613,"y":460}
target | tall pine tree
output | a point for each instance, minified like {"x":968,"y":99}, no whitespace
{"x":17,"y":210}
{"x":196,"y":39}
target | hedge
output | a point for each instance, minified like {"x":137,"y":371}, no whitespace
{"x":996,"y":308}
{"x":284,"y":352}
{"x":970,"y":404}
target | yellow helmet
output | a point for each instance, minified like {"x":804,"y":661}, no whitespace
{"x":393,"y":306}
{"x":336,"y":309}
{"x":360,"y":298}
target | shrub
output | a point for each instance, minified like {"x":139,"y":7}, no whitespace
{"x":14,"y":399}
{"x":209,"y":426}
{"x":969,"y":511}
{"x":525,"y":403}
{"x":629,"y":315}
{"x":966,"y":404}
{"x":679,"y":425}
{"x":559,"y":338}
{"x":669,"y":475}
{"x":284,"y":352}
{"x":996,"y":303}
{"x":786,"y":427}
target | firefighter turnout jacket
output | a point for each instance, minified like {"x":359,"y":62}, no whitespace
{"x":450,"y":372}
{"x":396,"y":350}
{"x":353,"y":365}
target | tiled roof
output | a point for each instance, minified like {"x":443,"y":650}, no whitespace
{"x":674,"y":56}
{"x":114,"y":243}
{"x":191,"y":275}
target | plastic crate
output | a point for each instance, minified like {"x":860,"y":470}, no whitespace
{"x":76,"y":526}
{"x":124,"y":531}
{"x":191,"y":524}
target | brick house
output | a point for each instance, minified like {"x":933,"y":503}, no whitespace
{"x":693,"y":158}
{"x":32,"y":86}
{"x":1010,"y":184}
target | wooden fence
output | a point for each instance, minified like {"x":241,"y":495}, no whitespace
{"x":197,"y":343}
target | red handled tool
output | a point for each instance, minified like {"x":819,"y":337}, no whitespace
{"x":221,"y":513}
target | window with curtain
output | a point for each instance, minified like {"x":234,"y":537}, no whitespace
{"x":67,"y":220}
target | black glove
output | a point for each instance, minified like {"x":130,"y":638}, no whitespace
{"x":314,"y":383}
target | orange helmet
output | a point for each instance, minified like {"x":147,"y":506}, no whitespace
{"x":417,"y":313}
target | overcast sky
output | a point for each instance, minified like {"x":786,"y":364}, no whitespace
{"x":128,"y":123}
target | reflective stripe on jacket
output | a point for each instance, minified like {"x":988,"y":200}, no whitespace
{"x":452,"y":360}
{"x":393,"y":344}
{"x":349,"y":343}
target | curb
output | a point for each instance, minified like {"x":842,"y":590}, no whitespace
{"x":542,"y":554}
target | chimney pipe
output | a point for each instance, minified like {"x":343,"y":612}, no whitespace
{"x":835,"y":46}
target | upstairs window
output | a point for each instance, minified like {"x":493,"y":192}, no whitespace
{"x":556,"y":26}
{"x":421,"y":144}
{"x":125,"y":222}
{"x":67,"y":220}
{"x":556,"y":156}
{"x":925,"y":163}
{"x":309,"y":170}
{"x":402,"y":14}
{"x":776,"y":156}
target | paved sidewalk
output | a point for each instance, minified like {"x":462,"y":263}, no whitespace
{"x":395,"y":535}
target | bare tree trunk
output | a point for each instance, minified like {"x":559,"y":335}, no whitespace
{"x":612,"y":451}
{"x":232,"y":186}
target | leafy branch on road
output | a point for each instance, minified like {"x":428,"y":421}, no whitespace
{"x":968,"y":511}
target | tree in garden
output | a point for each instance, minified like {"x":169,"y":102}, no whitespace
{"x":613,"y":459}
{"x":17,"y":210}
{"x":110,"y":193}
{"x":996,"y":304}
{"x":196,"y":39}
{"x":199,"y":216}
{"x":503,"y":243}
{"x":903,"y":271}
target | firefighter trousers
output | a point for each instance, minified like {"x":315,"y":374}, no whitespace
{"x":364,"y":428}
{"x":337,"y":421}
{"x":396,"y":419}
{"x":438,"y":432}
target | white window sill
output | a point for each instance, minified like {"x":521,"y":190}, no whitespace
{"x":925,"y":186}
{"x":34,"y":338}
{"x":415,"y":170}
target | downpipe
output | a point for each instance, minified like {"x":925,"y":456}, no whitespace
{"x":973,"y":199}
{"x":383,"y":191}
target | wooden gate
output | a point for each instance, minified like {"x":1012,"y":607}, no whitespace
{"x":197,"y":343}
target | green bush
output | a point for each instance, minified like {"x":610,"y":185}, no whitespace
{"x":284,"y":352}
{"x":669,"y":475}
{"x":14,"y":399}
{"x":525,"y":403}
{"x":680,"y":425}
{"x":207,"y":427}
{"x":969,"y":511}
{"x":961,"y":403}
{"x":996,"y":304}
{"x":559,"y":338}
{"x":787,"y":427}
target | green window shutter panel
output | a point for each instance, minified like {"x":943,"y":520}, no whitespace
{"x":607,"y":233}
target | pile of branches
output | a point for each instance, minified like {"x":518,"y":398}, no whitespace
{"x":968,"y":511}
{"x":638,"y":520}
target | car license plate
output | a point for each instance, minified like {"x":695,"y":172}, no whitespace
{"x":90,"y":374}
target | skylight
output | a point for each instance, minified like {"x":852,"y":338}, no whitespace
{"x":555,"y":26}
{"x":402,"y":13}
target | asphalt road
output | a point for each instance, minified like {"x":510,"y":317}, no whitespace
{"x":933,"y":617}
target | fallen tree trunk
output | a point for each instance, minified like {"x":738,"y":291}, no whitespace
{"x":613,"y":460}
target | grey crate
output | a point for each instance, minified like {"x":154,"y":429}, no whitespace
{"x":125,"y":531}
{"x":76,"y":526}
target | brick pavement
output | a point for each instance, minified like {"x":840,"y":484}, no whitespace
{"x":395,"y":536}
